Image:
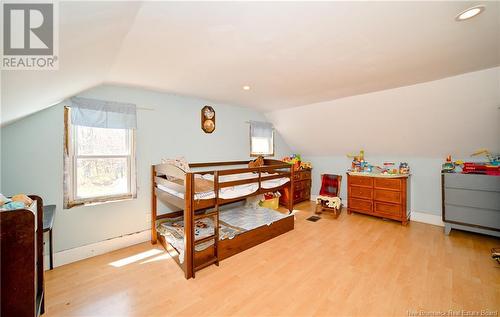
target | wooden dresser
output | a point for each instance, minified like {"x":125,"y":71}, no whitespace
{"x":301,"y":188}
{"x":381,"y":196}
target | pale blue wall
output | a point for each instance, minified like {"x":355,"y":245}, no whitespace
{"x":425,"y":179}
{"x":32,"y":157}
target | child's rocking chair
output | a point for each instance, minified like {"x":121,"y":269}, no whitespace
{"x":328,"y":199}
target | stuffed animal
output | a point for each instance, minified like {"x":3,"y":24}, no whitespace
{"x":258,"y":162}
{"x":253,"y":201}
{"x":23,"y":199}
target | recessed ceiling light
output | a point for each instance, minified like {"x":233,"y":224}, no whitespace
{"x":246,"y":87}
{"x":470,"y":13}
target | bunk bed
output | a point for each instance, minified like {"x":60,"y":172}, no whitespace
{"x":208,"y":228}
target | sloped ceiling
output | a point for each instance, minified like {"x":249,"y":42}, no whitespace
{"x":456,"y":115}
{"x":90,"y":35}
{"x":297,"y":53}
{"x":290,"y":53}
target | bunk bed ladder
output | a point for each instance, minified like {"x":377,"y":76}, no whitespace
{"x":215,"y":237}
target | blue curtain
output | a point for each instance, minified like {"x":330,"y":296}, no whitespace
{"x":102,"y":114}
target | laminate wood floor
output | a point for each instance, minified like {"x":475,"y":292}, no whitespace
{"x":355,"y":265}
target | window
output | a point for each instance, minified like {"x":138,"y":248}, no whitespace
{"x":261,"y":139}
{"x":99,"y":165}
{"x":102,"y":162}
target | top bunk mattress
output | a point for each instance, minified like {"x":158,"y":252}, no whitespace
{"x":232,"y":191}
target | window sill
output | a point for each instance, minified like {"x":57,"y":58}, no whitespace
{"x":97,"y":202}
{"x":263,"y":155}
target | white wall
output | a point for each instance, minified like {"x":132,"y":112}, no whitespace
{"x":32,"y":157}
{"x":418,"y":124}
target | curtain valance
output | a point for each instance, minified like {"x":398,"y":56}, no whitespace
{"x":261,"y":129}
{"x":102,"y":114}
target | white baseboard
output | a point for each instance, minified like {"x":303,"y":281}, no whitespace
{"x":427,"y":218}
{"x":90,"y":250}
{"x":415,"y":216}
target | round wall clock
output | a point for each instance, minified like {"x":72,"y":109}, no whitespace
{"x":208,"y":119}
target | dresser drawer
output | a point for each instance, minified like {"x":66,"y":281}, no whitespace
{"x":299,"y":176}
{"x":472,"y":182}
{"x":361,"y":192}
{"x":301,"y":195}
{"x":388,"y":209}
{"x":360,"y":204}
{"x":306,"y":195}
{"x":302,"y":185}
{"x":387,"y":196}
{"x":361,"y":181}
{"x":388,"y":183}
{"x":297,"y":195}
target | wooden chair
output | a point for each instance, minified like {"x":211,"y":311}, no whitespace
{"x":330,"y":187}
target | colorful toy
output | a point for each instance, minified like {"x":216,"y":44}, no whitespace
{"x":358,"y":161}
{"x":357,"y":157}
{"x":492,"y":167}
{"x":296,"y":161}
{"x":404,"y":168}
{"x":493,"y":159}
{"x":305,"y":165}
{"x":448,"y":166}
{"x":360,"y":165}
{"x":389,"y":168}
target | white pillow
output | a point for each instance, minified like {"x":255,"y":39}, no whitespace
{"x":180,"y":162}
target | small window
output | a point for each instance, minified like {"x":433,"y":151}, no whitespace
{"x":261,"y":139}
{"x":100,"y":165}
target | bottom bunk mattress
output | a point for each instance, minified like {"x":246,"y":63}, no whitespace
{"x":232,"y":222}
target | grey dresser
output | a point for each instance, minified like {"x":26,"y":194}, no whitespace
{"x":471,"y":202}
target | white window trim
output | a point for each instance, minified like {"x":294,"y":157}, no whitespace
{"x":255,"y":154}
{"x":73,"y":200}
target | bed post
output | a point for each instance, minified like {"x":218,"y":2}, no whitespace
{"x":153,"y":206}
{"x":188,"y":227}
{"x":290,"y":200}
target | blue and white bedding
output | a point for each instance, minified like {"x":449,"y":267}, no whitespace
{"x":233,"y":191}
{"x":232,"y":222}
{"x":248,"y":218}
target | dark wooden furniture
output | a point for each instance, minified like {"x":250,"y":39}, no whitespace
{"x":49,"y":213}
{"x":301,"y":188}
{"x":173,"y":178}
{"x":381,"y":196}
{"x":321,"y":205}
{"x":471,"y":202}
{"x":22,"y":291}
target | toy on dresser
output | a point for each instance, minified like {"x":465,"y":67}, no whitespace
{"x":491,"y":167}
{"x":358,"y":162}
{"x":296,"y":161}
{"x":360,"y":165}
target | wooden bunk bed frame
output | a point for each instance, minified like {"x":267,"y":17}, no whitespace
{"x":193,"y":209}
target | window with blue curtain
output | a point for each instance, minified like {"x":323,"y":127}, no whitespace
{"x":99,"y":151}
{"x":261,"y":138}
